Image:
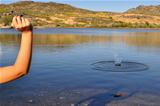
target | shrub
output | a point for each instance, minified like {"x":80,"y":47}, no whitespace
{"x":7,"y":20}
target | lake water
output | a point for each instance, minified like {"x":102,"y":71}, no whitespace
{"x":61,"y":73}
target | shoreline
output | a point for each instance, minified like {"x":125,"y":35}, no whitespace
{"x":38,"y":27}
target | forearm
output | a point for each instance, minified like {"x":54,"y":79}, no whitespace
{"x":25,"y":52}
{"x":22,"y":63}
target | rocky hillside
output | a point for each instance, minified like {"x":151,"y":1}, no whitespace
{"x":53,"y":14}
{"x":147,"y":10}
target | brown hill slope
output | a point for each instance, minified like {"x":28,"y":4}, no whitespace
{"x":147,"y":10}
{"x":62,"y":15}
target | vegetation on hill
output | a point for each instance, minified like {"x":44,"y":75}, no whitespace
{"x":53,"y":14}
{"x":147,"y":10}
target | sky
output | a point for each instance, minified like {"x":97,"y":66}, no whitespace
{"x":100,"y":5}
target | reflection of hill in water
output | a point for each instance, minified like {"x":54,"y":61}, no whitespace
{"x":136,"y":39}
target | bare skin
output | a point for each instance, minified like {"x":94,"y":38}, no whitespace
{"x":22,"y":63}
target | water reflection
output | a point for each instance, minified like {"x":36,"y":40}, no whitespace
{"x":135,"y":39}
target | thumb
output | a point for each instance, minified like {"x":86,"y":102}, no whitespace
{"x":12,"y":24}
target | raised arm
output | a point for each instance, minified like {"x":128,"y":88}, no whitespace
{"x":22,"y":63}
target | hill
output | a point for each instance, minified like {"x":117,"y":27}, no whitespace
{"x":147,"y":10}
{"x":53,"y":14}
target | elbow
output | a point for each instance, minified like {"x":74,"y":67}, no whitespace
{"x":19,"y":74}
{"x":24,"y":72}
{"x":21,"y":70}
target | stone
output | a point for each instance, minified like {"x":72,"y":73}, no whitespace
{"x":119,"y":94}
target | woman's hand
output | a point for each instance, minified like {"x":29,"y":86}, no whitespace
{"x":21,"y":24}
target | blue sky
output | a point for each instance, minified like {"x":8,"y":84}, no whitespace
{"x":101,"y":5}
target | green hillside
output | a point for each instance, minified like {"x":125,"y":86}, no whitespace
{"x":53,"y":14}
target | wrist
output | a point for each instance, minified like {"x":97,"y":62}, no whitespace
{"x":27,"y":32}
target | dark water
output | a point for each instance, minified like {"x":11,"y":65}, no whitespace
{"x":61,"y":73}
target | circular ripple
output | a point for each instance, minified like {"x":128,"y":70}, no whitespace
{"x":125,"y":66}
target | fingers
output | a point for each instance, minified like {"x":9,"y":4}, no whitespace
{"x":21,"y":23}
{"x":27,"y":22}
{"x":14,"y":21}
{"x":18,"y":21}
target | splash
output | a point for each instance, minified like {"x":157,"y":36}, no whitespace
{"x":117,"y":65}
{"x":117,"y":60}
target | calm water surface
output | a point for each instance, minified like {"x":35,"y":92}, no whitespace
{"x":61,"y":73}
